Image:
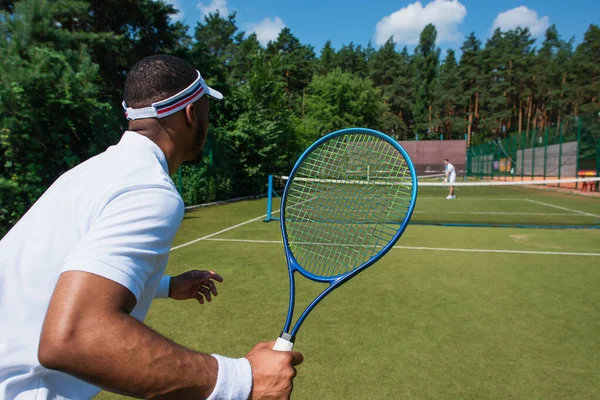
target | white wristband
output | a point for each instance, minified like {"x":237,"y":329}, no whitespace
{"x":163,"y":288}
{"x":234,"y":380}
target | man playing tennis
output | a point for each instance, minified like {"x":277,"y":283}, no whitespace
{"x":450,"y":177}
{"x":79,"y":271}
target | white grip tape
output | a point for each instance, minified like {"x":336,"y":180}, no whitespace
{"x":283,"y":345}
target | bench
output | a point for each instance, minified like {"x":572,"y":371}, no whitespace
{"x":587,"y":186}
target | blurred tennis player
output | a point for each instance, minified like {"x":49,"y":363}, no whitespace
{"x":450,"y":177}
{"x":79,"y":271}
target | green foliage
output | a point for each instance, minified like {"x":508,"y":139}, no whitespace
{"x":51,"y":117}
{"x":340,"y":100}
{"x":328,"y":60}
{"x":296,"y":61}
{"x":262,"y":140}
{"x":587,"y":71}
{"x":449,"y":89}
{"x":392,"y":73}
{"x":426,"y":61}
{"x":63,"y":68}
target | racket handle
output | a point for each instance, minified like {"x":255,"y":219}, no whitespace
{"x":283,"y":344}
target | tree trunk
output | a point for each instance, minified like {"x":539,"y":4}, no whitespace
{"x":520,"y":115}
{"x":469,"y":124}
{"x":430,"y":117}
{"x":476,"y":104}
{"x":558,"y":122}
{"x":529,"y":107}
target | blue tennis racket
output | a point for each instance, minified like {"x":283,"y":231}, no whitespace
{"x":346,"y":203}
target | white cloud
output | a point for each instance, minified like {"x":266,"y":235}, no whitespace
{"x":407,"y":23}
{"x":177,"y":5}
{"x":266,"y":30}
{"x":523,"y":17}
{"x":213,"y":7}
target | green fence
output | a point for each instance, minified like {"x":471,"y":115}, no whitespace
{"x":569,"y":150}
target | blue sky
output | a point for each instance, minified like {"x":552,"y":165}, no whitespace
{"x":358,"y":21}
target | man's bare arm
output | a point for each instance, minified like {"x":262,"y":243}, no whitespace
{"x":89,"y":333}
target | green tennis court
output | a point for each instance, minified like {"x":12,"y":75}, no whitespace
{"x":451,"y":313}
{"x":508,"y":203}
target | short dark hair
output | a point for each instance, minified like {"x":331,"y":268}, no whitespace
{"x":156,"y":78}
{"x":445,"y":159}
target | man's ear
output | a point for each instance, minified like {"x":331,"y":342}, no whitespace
{"x":190,"y":114}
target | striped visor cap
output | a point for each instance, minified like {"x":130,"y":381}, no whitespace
{"x":177,"y":102}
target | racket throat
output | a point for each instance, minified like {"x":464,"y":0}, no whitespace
{"x":288,"y":337}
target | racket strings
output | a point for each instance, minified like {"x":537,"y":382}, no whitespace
{"x":336,"y":219}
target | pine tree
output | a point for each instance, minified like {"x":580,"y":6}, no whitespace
{"x":328,"y":60}
{"x":471,"y":81}
{"x":448,"y":91}
{"x":587,"y":72}
{"x":297,"y":60}
{"x":352,"y":59}
{"x":426,"y":61}
{"x":51,"y":118}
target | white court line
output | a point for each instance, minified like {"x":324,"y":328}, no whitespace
{"x":219,"y":232}
{"x":563,"y":208}
{"x":495,"y":213}
{"x":551,"y":253}
{"x":232,"y":227}
{"x":466,"y":198}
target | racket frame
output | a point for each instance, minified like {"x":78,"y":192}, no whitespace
{"x":335,"y":281}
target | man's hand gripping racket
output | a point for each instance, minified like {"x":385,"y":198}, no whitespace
{"x":346,"y":203}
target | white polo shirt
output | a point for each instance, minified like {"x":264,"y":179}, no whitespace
{"x":451,"y":173}
{"x":114,"y":215}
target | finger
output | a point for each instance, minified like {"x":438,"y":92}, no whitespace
{"x":211,"y":286}
{"x":297,"y":358}
{"x":199,"y":276}
{"x":198,"y":296}
{"x":206,"y":293}
{"x":215,"y":276}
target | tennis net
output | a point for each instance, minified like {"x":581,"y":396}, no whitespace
{"x":564,"y":203}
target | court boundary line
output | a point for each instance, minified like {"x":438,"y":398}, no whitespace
{"x":218,"y":233}
{"x":498,"y":213}
{"x":229,"y":228}
{"x":562,"y":208}
{"x":449,"y":249}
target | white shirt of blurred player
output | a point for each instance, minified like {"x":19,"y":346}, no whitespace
{"x":451,"y":173}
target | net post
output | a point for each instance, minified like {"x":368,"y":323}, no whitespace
{"x":578,"y":148}
{"x":269,"y":200}
{"x":560,"y":141}
{"x":545,"y":151}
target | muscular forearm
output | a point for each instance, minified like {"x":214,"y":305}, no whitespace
{"x":126,"y":356}
{"x":89,"y":333}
